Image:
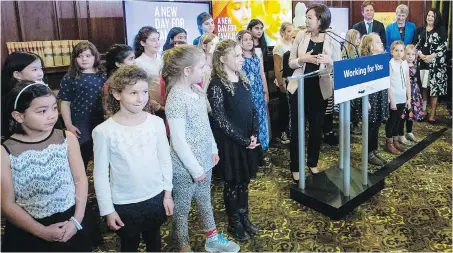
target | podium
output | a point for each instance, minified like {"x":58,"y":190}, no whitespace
{"x":337,"y":191}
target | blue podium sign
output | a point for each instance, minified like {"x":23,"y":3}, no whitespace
{"x":359,"y":77}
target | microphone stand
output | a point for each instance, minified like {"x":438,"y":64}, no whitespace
{"x":329,"y":32}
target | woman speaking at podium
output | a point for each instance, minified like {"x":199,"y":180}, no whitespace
{"x":313,"y":49}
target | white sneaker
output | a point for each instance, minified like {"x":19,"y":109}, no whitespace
{"x":284,"y":139}
{"x":220,"y":243}
{"x":404,"y":141}
{"x":411,"y":137}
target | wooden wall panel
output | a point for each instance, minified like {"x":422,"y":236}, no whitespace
{"x":38,"y":20}
{"x":81,"y":8}
{"x":67,"y":23}
{"x":10,"y":28}
{"x":106,"y":20}
{"x":417,"y":12}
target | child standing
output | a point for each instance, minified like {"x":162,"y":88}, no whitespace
{"x":194,"y":151}
{"x":117,"y":56}
{"x":147,"y":46}
{"x":252,"y":68}
{"x":371,"y":44}
{"x":279,"y":50}
{"x":207,"y":42}
{"x":132,"y":164}
{"x":399,"y":97}
{"x":44,"y":186}
{"x":205,"y":25}
{"x":235,"y":127}
{"x":81,"y":95}
{"x":21,"y":66}
{"x":416,"y":112}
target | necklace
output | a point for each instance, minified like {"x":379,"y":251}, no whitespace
{"x":426,"y":36}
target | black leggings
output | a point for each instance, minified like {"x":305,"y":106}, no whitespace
{"x":409,"y":123}
{"x":392,"y":128}
{"x":143,"y":218}
{"x":86,"y":150}
{"x":283,"y":113}
{"x":373,"y":135}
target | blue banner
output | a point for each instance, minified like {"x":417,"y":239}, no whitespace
{"x":362,"y":76}
{"x":360,"y":70}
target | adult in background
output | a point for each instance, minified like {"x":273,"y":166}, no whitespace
{"x":205,"y":25}
{"x":369,"y":25}
{"x":400,"y":30}
{"x":283,"y":46}
{"x":431,"y":41}
{"x":312,"y":50}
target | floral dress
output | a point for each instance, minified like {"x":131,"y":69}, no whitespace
{"x":434,"y":41}
{"x":416,"y":96}
{"x":251,"y":68}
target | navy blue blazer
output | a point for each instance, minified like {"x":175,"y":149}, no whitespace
{"x":392,"y":33}
{"x":378,"y":28}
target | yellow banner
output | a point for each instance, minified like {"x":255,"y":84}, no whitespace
{"x":385,"y":18}
{"x":232,"y":16}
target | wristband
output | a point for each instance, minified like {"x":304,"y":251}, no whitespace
{"x":168,"y":198}
{"x":76,"y":223}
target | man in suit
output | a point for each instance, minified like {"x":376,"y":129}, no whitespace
{"x":369,"y":25}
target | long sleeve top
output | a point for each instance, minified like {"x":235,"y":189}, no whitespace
{"x":235,"y":115}
{"x":131,"y":163}
{"x":192,"y":140}
{"x":152,"y":66}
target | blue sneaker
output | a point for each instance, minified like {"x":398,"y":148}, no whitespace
{"x":219,"y":243}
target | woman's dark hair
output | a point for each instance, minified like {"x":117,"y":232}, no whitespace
{"x":9,"y":125}
{"x":142,"y":35}
{"x":116,"y":54}
{"x":75,"y":71}
{"x":201,"y":19}
{"x":322,"y":14}
{"x":438,"y":22}
{"x":262,"y":41}
{"x":171,"y":35}
{"x":16,"y":61}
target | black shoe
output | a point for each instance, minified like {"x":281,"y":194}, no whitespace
{"x":235,"y":227}
{"x":331,"y":139}
{"x":244,"y":210}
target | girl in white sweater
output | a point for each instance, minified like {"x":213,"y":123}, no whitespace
{"x":132,"y":164}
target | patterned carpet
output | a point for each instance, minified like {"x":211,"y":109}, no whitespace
{"x":412,"y":213}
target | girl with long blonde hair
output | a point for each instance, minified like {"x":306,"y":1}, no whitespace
{"x":235,"y":128}
{"x":371,"y":44}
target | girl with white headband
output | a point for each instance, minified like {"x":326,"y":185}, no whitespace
{"x":44,"y":185}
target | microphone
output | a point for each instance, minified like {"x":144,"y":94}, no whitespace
{"x":329,"y":32}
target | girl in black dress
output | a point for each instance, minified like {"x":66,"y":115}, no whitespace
{"x":235,"y":129}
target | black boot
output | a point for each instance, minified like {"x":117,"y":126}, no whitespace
{"x":243,"y":201}
{"x":235,"y":228}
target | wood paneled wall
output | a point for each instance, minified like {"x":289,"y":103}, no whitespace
{"x":101,"y":22}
